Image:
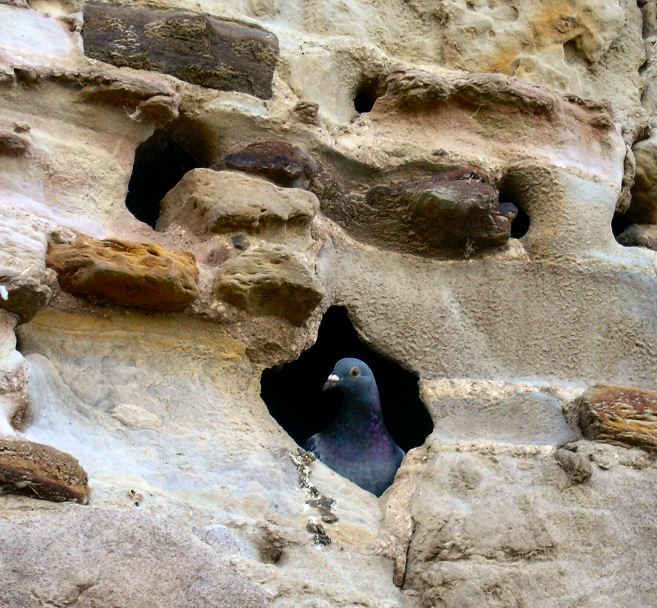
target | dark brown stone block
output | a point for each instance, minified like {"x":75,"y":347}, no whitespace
{"x":283,"y":163}
{"x":198,"y":48}
{"x":455,"y":214}
{"x":41,"y":471}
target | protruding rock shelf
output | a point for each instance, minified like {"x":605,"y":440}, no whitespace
{"x":620,"y":415}
{"x":198,"y":48}
{"x":270,"y":281}
{"x":143,"y":275}
{"x":283,"y":163}
{"x":451,"y":212}
{"x":41,"y":471}
{"x":207,"y":201}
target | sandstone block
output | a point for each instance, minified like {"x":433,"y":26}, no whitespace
{"x":201,"y":49}
{"x":283,"y":163}
{"x":456,"y":212}
{"x":143,"y":275}
{"x":620,"y":415}
{"x":270,"y":281}
{"x":207,"y":201}
{"x":41,"y":471}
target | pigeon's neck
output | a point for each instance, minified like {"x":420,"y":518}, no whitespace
{"x":360,"y":418}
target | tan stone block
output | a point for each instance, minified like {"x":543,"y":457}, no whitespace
{"x":143,"y":275}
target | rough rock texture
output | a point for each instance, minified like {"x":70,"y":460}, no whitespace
{"x":270,"y":281}
{"x":42,"y":472}
{"x":144,"y":275}
{"x":198,"y":497}
{"x":131,"y":557}
{"x":207,"y":201}
{"x":643,"y":209}
{"x":13,"y":378}
{"x":198,"y":48}
{"x":620,"y":415}
{"x":284,"y":164}
{"x":453,"y":212}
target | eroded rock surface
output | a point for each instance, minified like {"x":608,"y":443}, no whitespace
{"x":195,"y":47}
{"x":41,"y":471}
{"x":270,"y":281}
{"x":143,"y":275}
{"x":173,"y":564}
{"x":219,"y":202}
{"x":365,"y":104}
{"x":620,"y":415}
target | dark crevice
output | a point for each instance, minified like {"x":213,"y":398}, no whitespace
{"x":619,"y":223}
{"x":366,"y":95}
{"x":293,"y":393}
{"x":520,"y":224}
{"x":160,"y":162}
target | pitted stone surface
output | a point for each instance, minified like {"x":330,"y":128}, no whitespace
{"x":207,"y":202}
{"x":144,"y":275}
{"x":270,"y":281}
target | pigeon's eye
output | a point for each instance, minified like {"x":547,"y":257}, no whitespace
{"x":354,"y":372}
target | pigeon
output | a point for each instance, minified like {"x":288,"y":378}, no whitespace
{"x":357,"y":444}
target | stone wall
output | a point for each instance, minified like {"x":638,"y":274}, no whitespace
{"x":376,"y":156}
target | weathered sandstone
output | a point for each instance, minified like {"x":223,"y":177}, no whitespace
{"x":143,"y":275}
{"x":220,"y":202}
{"x":198,"y":48}
{"x":620,"y":415}
{"x":304,"y":147}
{"x":270,"y":281}
{"x":41,"y":471}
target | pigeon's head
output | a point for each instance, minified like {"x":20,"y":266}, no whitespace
{"x":351,"y":375}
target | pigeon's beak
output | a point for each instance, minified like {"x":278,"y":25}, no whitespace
{"x":331,"y":381}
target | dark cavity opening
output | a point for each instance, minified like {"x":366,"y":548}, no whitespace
{"x":366,"y":95}
{"x":160,"y":163}
{"x":509,"y":203}
{"x":619,"y":223}
{"x":293,"y":393}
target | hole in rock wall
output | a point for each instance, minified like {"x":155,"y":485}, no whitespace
{"x":293,"y":393}
{"x":160,"y":162}
{"x":619,"y":224}
{"x":366,"y":95}
{"x":520,"y":224}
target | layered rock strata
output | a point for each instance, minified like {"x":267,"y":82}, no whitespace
{"x":620,"y":415}
{"x":314,"y":175}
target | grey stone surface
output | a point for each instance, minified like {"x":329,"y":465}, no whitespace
{"x":128,"y":558}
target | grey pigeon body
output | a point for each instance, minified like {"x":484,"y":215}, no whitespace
{"x":357,"y":444}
